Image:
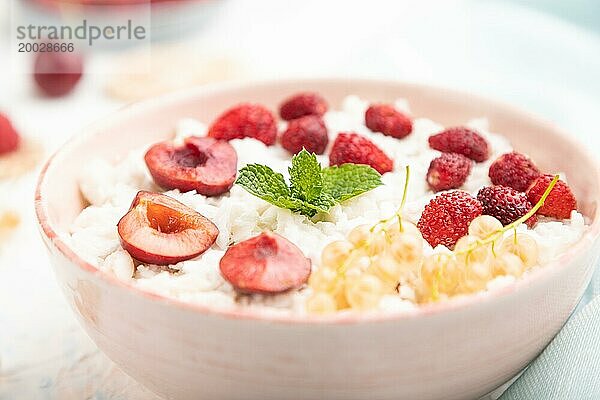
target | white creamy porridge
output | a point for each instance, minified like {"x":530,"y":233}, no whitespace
{"x":239,"y":215}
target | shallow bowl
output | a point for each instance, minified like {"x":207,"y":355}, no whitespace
{"x":457,"y":349}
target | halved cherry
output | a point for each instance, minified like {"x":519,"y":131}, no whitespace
{"x":57,"y":73}
{"x":267,"y":263}
{"x":203,"y":164}
{"x":160,"y":230}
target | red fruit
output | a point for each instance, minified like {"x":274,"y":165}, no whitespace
{"x":160,"y":230}
{"x":245,"y":120}
{"x":56,"y":73}
{"x":505,"y":204}
{"x":307,"y":132}
{"x":267,"y":263}
{"x":387,"y":120}
{"x":203,"y":164}
{"x":463,"y":141}
{"x":9,"y":138}
{"x":302,"y":104}
{"x":448,"y":171}
{"x":447,"y":217}
{"x":559,"y":203}
{"x":514,"y":170}
{"x":357,"y":149}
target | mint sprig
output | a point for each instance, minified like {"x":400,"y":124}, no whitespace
{"x":312,"y":189}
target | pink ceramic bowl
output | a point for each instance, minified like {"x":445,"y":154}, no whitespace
{"x":459,"y":349}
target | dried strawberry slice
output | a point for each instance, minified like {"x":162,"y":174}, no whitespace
{"x":267,"y":263}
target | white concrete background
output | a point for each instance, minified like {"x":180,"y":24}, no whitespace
{"x":534,"y":60}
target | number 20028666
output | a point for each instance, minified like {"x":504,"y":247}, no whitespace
{"x":46,"y":47}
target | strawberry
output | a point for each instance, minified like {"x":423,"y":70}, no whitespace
{"x":560,"y":202}
{"x":514,"y":170}
{"x":354,"y":148}
{"x":9,"y":138}
{"x":448,"y":171}
{"x":505,"y":204}
{"x":301,"y":104}
{"x":307,"y":132}
{"x":447,"y":217}
{"x":463,"y":141}
{"x":386,"y":119}
{"x":245,"y":120}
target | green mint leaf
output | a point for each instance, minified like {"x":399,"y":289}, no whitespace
{"x":349,"y":180}
{"x":295,"y":205}
{"x":305,"y":176}
{"x":324,"y":202}
{"x":306,"y":209}
{"x":263,"y":182}
{"x":299,"y":206}
{"x":321,"y":204}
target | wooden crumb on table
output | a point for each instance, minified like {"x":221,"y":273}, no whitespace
{"x":166,"y":69}
{"x":9,"y":221}
{"x":21,"y":161}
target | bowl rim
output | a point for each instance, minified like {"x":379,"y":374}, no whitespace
{"x":536,"y":277}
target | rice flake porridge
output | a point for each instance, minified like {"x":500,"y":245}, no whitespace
{"x":335,"y":264}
